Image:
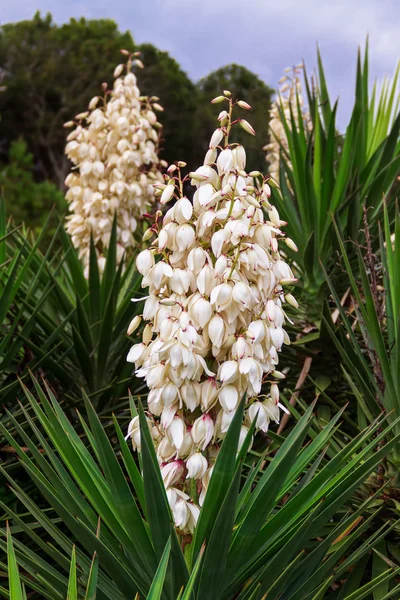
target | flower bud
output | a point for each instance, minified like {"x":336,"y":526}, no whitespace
{"x":291,"y":300}
{"x":118,"y":70}
{"x":134,"y":324}
{"x":167,"y":193}
{"x":246,"y":126}
{"x":218,"y":99}
{"x":216,"y":138}
{"x":244,"y":105}
{"x":290,"y":244}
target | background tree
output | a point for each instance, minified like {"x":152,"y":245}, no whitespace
{"x":163,"y":77}
{"x":50,"y":74}
{"x":28,"y":200}
{"x":248,"y":87}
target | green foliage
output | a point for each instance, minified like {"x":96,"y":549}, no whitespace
{"x":248,"y":87}
{"x":326,"y":175}
{"x":54,"y":319}
{"x":369,"y":341}
{"x":245,"y":546}
{"x":29,"y":200}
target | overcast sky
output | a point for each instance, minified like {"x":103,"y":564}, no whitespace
{"x":264,"y":35}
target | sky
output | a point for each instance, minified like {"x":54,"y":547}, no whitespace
{"x":264,"y":36}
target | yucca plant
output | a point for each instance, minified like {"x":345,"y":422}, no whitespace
{"x":291,"y":529}
{"x":368,"y":338}
{"x":55,"y":320}
{"x":325,"y":174}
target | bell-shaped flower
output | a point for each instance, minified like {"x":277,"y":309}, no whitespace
{"x":203,"y":431}
{"x":196,"y":465}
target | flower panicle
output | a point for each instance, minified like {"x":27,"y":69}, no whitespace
{"x":215,"y":314}
{"x":114,"y":151}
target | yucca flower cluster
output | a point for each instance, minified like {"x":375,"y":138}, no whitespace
{"x":114,"y":149}
{"x":289,"y":95}
{"x":215,"y":315}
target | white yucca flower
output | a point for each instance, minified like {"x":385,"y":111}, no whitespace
{"x":286,"y":101}
{"x":114,"y":149}
{"x":215,"y":314}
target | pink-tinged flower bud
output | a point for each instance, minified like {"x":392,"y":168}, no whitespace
{"x":247,"y":127}
{"x":216,"y":138}
{"x":158,"y":107}
{"x":144,"y":262}
{"x":167,"y":193}
{"x":218,"y":99}
{"x":203,"y":431}
{"x":172,"y":472}
{"x":139,"y":63}
{"x":227,"y":93}
{"x":244,"y":105}
{"x":171,"y":169}
{"x":222,"y":115}
{"x":147,"y":235}
{"x":291,"y":300}
{"x":267,"y":191}
{"x":200,"y":177}
{"x":290,"y":244}
{"x":196,"y":465}
{"x":134,"y":324}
